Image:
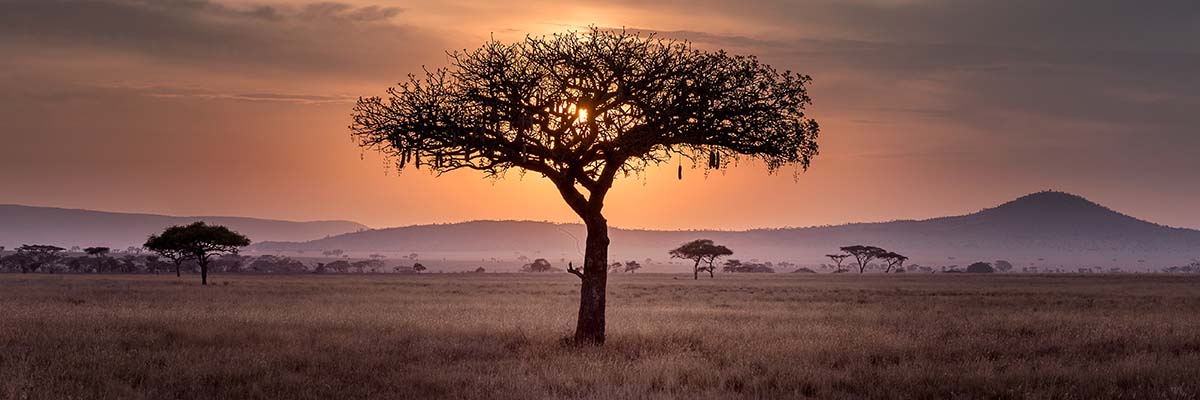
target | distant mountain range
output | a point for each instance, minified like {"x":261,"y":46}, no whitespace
{"x":1047,"y":229}
{"x":69,"y":227}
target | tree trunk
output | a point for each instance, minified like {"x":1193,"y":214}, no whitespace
{"x":590,"y":327}
{"x":177,"y":264}
{"x":696,"y":270}
{"x":711,"y":268}
{"x":203,"y":273}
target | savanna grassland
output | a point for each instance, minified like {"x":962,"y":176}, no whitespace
{"x":499,"y":336}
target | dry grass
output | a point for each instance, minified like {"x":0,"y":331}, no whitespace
{"x":498,"y":336}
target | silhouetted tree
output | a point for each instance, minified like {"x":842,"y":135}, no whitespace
{"x":276,"y":265}
{"x":581,"y":109}
{"x":97,"y":251}
{"x":339,"y":266}
{"x":701,"y":251}
{"x":735,"y":265}
{"x":863,"y":255}
{"x":980,"y":268}
{"x":632,"y":266}
{"x":168,"y":250}
{"x":893,"y":260}
{"x":538,"y":265}
{"x":417,"y":267}
{"x":1003,"y":266}
{"x":198,"y":241}
{"x":38,"y":256}
{"x":373,"y":265}
{"x":837,"y":260}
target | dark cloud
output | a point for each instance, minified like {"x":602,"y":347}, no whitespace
{"x":320,"y":38}
{"x":1124,"y":63}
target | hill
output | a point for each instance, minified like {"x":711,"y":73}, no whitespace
{"x":71,"y":227}
{"x":1050,"y":228}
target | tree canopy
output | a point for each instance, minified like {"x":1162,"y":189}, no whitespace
{"x":579,"y":108}
{"x":197,"y":241}
{"x":701,"y":251}
{"x":864,"y":254}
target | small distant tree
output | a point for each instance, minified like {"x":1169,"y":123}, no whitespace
{"x":339,"y":266}
{"x":168,"y":251}
{"x":701,"y":251}
{"x":732,"y":265}
{"x":418,"y":268}
{"x":837,"y":260}
{"x":1003,"y":266}
{"x":980,"y":268}
{"x":863,"y":255}
{"x":538,"y":265}
{"x":893,"y":260}
{"x":632,"y":266}
{"x":615,"y":267}
{"x":38,"y":256}
{"x":97,"y":252}
{"x":480,"y":270}
{"x":198,"y":241}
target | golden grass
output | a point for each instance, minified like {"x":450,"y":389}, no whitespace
{"x":498,"y":337}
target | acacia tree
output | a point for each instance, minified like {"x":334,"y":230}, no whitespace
{"x":701,"y":251}
{"x":893,"y":259}
{"x":99,"y":253}
{"x":197,"y":241}
{"x":864,"y":254}
{"x":580,"y":109}
{"x":167,"y":250}
{"x":38,"y":256}
{"x":837,"y":260}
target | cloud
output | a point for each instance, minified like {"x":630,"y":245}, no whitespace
{"x":330,"y":39}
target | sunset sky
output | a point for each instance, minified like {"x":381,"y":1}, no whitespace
{"x":928,"y":107}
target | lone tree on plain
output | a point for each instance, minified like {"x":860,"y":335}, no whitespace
{"x":701,"y":251}
{"x":198,"y":241}
{"x":582,"y":108}
{"x":837,"y":260}
{"x":864,"y":254}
